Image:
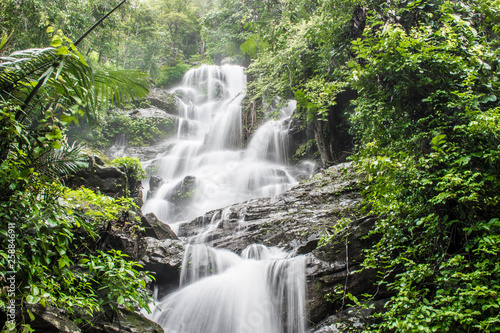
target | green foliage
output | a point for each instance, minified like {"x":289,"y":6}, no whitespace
{"x":171,"y":75}
{"x":55,"y":85}
{"x":137,"y":131}
{"x":5,"y":39}
{"x":55,"y":261}
{"x":308,"y":44}
{"x":145,"y":131}
{"x":140,"y":35}
{"x":98,"y":207}
{"x":120,"y":86}
{"x":318,"y":96}
{"x":132,"y":167}
{"x":336,"y":229}
{"x":60,"y":162}
{"x":223,"y":28}
{"x":116,"y":281}
{"x":46,"y":232}
{"x":304,"y":149}
{"x":253,"y":44}
{"x":427,"y":121}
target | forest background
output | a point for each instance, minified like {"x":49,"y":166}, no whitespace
{"x":408,"y":88}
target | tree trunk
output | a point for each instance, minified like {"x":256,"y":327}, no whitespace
{"x":332,"y":136}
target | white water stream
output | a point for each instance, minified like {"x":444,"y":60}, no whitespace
{"x":206,"y":167}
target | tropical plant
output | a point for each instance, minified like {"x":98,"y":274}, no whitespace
{"x":132,"y":167}
{"x":134,"y":171}
{"x":171,"y":75}
{"x":56,"y":259}
{"x":63,"y":82}
{"x":100,"y":208}
{"x":426,"y":120}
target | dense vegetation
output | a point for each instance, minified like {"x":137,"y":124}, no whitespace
{"x":423,"y":80}
{"x":115,"y":124}
{"x":52,"y":254}
{"x":427,"y":121}
{"x":153,"y":36}
{"x":409,"y":87}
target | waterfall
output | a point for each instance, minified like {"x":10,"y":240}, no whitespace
{"x":227,"y":293}
{"x":118,"y":148}
{"x":208,"y":149}
{"x":206,"y":167}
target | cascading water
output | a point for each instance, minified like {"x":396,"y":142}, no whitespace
{"x":204,"y":168}
{"x":118,"y":149}
{"x":208,"y":149}
{"x":261,"y":291}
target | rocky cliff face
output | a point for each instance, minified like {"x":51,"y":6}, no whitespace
{"x":159,"y":105}
{"x":100,"y":176}
{"x":294,"y":220}
{"x":321,"y":219}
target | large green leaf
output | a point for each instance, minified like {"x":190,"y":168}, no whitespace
{"x":61,"y":162}
{"x":119,"y":86}
{"x":41,"y":78}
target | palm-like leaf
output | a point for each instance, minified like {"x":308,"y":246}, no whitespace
{"x":19,"y":70}
{"x":60,"y":80}
{"x":62,"y":76}
{"x":61,"y":162}
{"x":120,"y":86}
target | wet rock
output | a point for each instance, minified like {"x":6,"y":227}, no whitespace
{"x":183,"y":192}
{"x":158,"y":115}
{"x":334,"y":269}
{"x":155,"y":228}
{"x":146,"y":153}
{"x":163,"y":100}
{"x":151,"y":112}
{"x":123,"y":242}
{"x":155,"y":183}
{"x":291,"y":220}
{"x":298,"y":220}
{"x":51,"y":320}
{"x":98,"y":176}
{"x":198,"y":225}
{"x":352,"y":319}
{"x":164,"y":258}
{"x":126,"y":321}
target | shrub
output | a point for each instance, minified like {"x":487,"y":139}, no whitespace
{"x":171,"y":75}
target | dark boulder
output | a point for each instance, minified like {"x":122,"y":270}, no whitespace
{"x":164,"y":258}
{"x":183,"y":192}
{"x":162,"y":100}
{"x":334,"y":270}
{"x":350,"y":319}
{"x":51,"y":320}
{"x":181,"y":195}
{"x":155,"y":183}
{"x":99,"y":176}
{"x":155,"y":228}
{"x":126,"y":321}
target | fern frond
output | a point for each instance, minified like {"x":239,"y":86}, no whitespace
{"x":66,"y":76}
